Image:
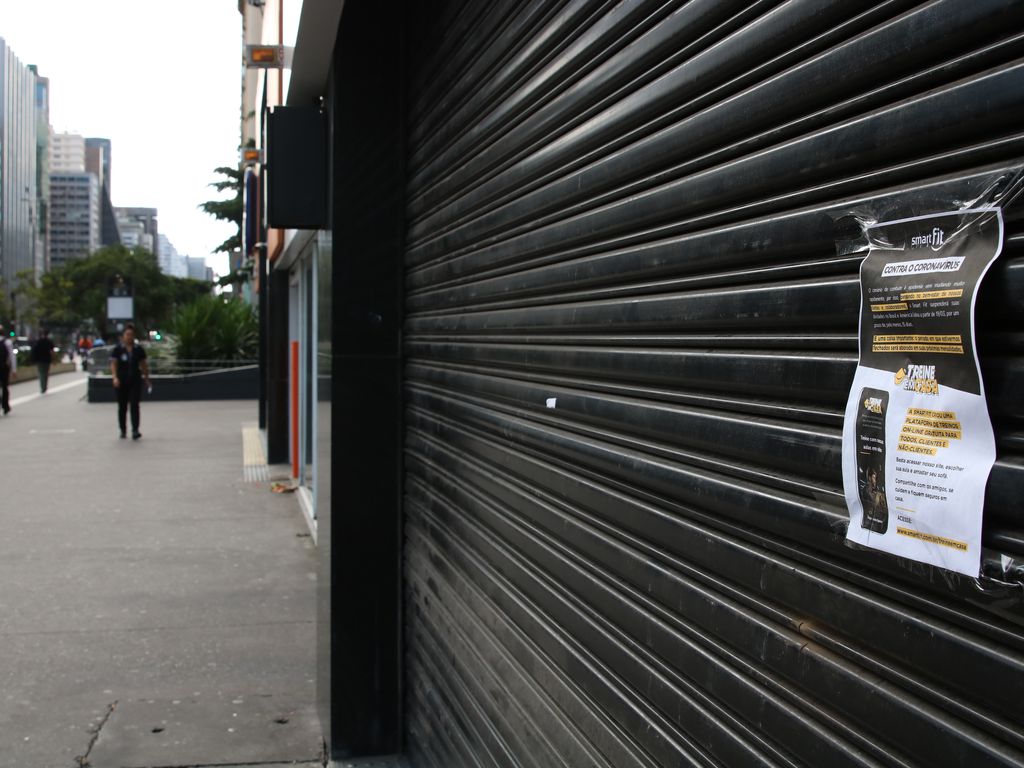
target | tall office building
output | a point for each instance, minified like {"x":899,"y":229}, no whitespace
{"x":97,"y":161}
{"x":133,"y":234}
{"x":147,"y":218}
{"x":171,"y":262}
{"x":18,"y":187}
{"x":74,"y":216}
{"x":67,"y":153}
{"x":43,"y":131}
{"x":74,"y":200}
{"x":197,"y":269}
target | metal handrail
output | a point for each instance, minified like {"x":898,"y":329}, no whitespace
{"x":100,"y":366}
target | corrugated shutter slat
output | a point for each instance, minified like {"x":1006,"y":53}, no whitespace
{"x":630,"y":338}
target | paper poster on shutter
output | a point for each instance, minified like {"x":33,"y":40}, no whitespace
{"x":918,"y":443}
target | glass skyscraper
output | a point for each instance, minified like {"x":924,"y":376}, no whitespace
{"x":18,"y":183}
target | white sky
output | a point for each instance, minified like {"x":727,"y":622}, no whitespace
{"x":161,"y":80}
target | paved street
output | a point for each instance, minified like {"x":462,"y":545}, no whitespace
{"x":155,"y":609}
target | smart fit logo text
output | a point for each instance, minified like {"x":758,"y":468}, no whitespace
{"x":933,"y":240}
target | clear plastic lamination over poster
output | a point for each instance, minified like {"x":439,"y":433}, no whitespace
{"x":918,"y":443}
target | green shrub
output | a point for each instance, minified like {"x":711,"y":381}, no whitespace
{"x":215,"y":328}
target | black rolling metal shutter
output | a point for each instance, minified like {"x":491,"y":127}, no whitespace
{"x":629,"y":341}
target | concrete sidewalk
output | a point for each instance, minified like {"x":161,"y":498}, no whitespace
{"x":155,"y":610}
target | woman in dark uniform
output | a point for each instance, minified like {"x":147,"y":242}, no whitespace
{"x":129,"y":367}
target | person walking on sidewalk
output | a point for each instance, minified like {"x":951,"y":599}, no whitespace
{"x":42,"y":354}
{"x":129,"y":367}
{"x":8,"y":369}
{"x":84,"y":345}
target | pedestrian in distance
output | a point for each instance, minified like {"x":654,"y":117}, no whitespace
{"x":84,"y":345}
{"x":129,"y":367}
{"x":42,"y":354}
{"x":8,"y":369}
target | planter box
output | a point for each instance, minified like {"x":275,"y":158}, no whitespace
{"x":226,"y":384}
{"x":28,"y":372}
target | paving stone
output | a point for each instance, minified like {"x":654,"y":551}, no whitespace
{"x":208,"y":731}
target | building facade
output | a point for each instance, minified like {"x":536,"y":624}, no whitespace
{"x":97,"y":161}
{"x":572,"y":356}
{"x":74,"y":216}
{"x":130,"y":219}
{"x":285,"y":388}
{"x":18,"y":161}
{"x":133,"y":234}
{"x":43,"y":132}
{"x":197,"y":268}
{"x":171,"y":262}
{"x":75,"y":200}
{"x":67,"y":152}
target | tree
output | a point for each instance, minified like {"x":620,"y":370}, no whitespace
{"x":229,"y":210}
{"x":47,"y":302}
{"x":76,"y":292}
{"x":90,"y":278}
{"x":24,"y":297}
{"x":6,"y":305}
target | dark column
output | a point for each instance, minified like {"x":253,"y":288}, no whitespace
{"x":360,"y":534}
{"x":261,"y":266}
